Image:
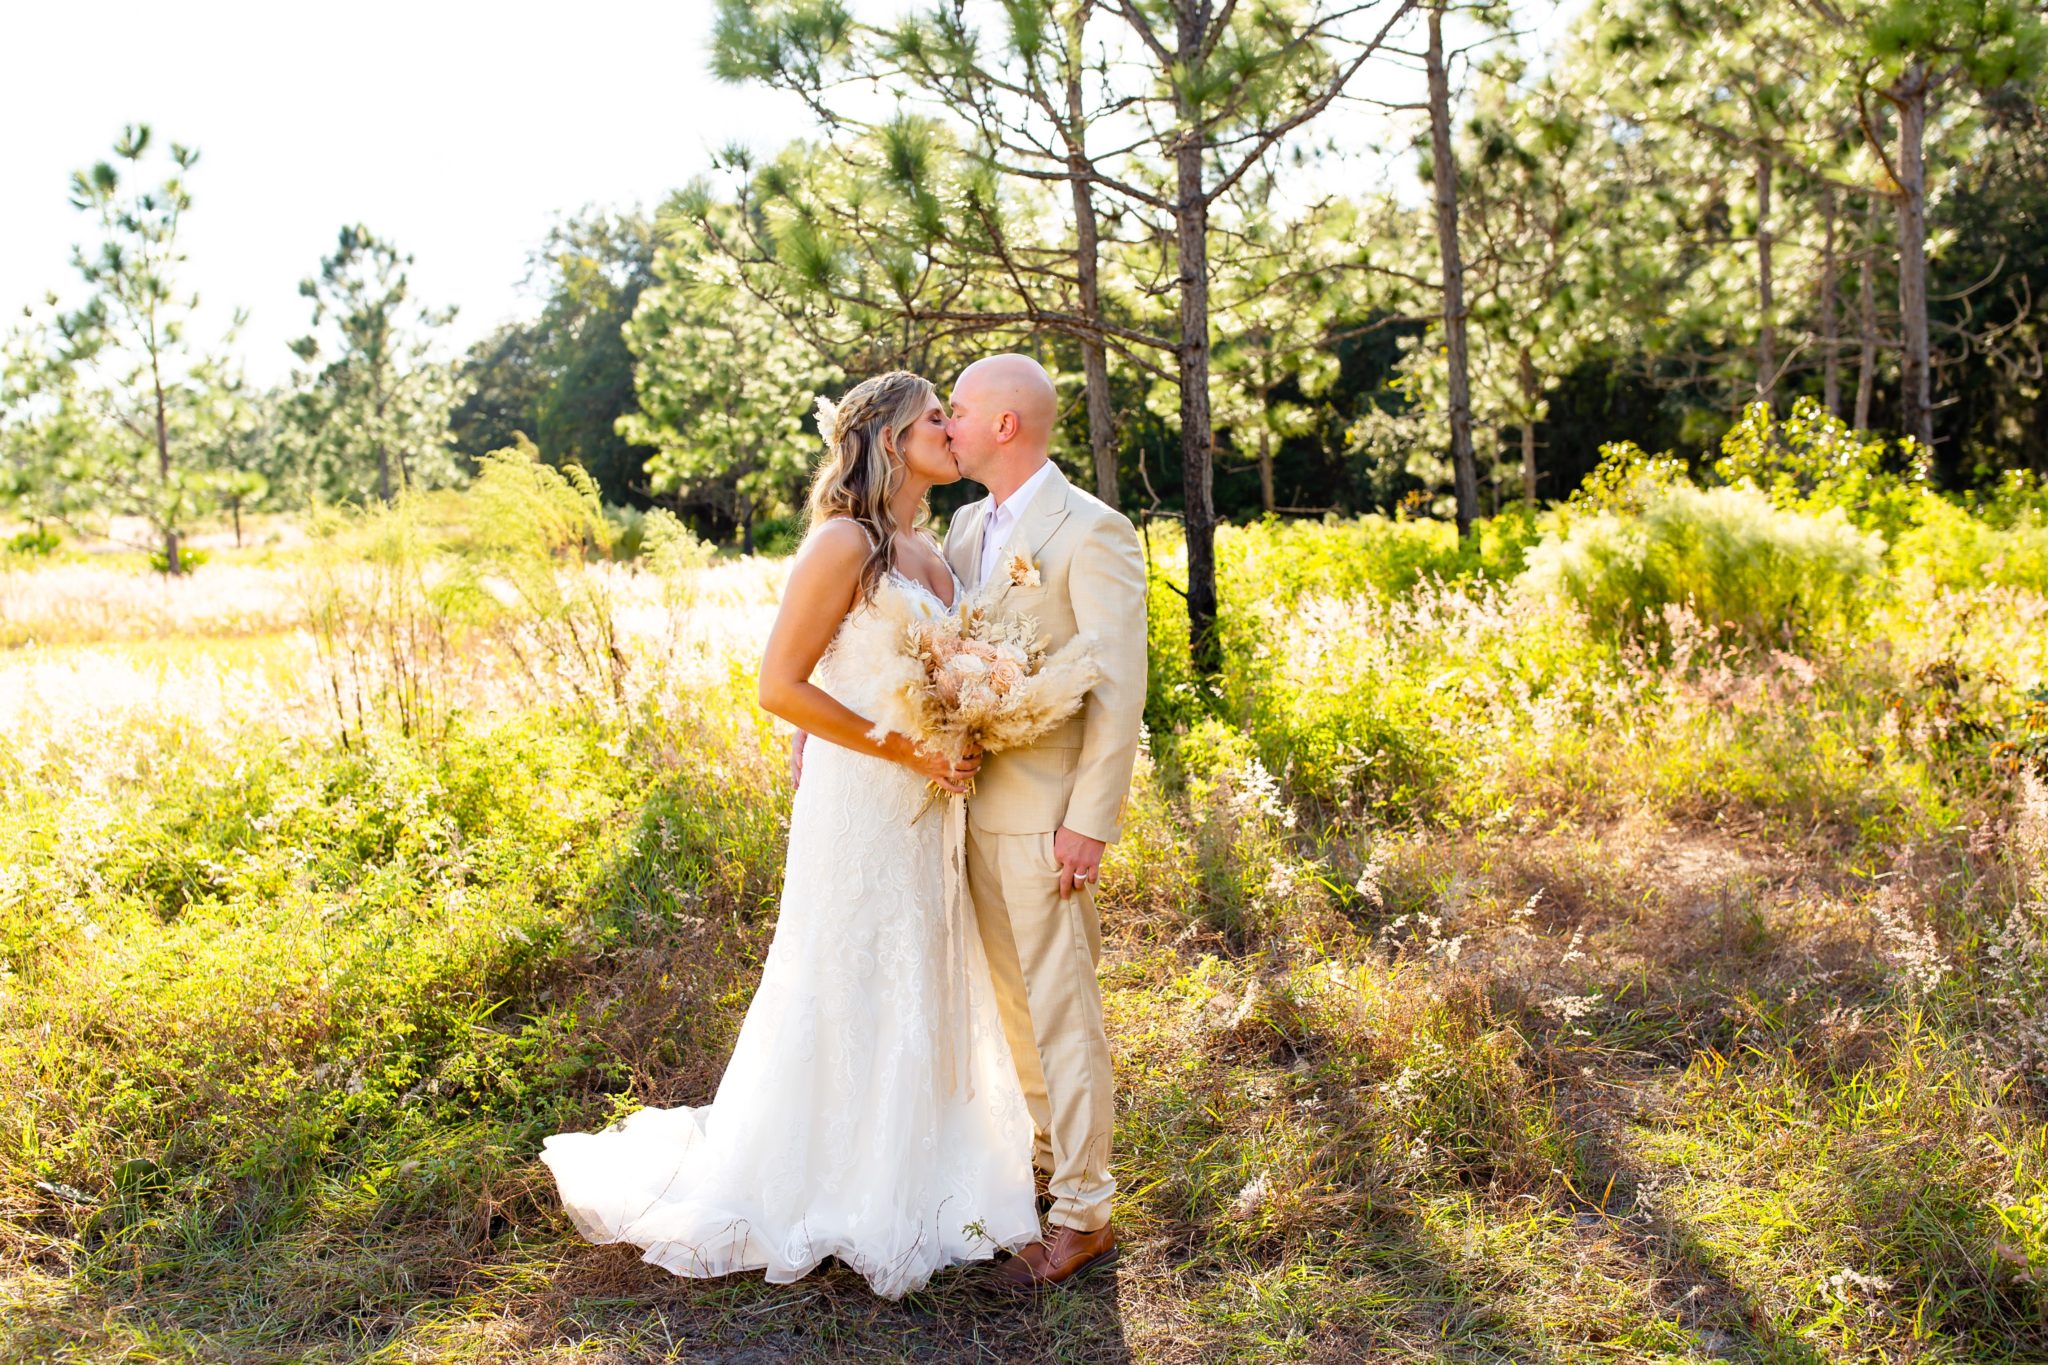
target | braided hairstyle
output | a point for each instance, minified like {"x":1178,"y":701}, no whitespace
{"x":858,"y":475}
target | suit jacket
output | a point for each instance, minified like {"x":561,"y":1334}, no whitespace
{"x":1091,"y":581}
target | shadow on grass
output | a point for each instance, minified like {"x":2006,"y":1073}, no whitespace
{"x":434,"y":1231}
{"x":1753,"y":1032}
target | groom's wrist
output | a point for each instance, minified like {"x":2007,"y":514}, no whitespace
{"x":1088,"y":829}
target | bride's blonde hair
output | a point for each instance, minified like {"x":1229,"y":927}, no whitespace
{"x":858,"y":476}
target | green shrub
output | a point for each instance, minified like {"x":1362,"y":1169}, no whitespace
{"x":1960,"y":550}
{"x":40,"y":542}
{"x":1283,"y":560}
{"x":1812,"y":461}
{"x":1627,"y":478}
{"x":777,"y":535}
{"x":2020,"y":495}
{"x":628,"y":530}
{"x":1773,"y":573}
{"x":188,"y":559}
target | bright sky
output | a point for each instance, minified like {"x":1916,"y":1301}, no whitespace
{"x":461,"y":132}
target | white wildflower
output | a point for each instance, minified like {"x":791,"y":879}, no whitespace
{"x":1254,"y":1193}
{"x":1258,"y":790}
{"x":1570,"y":1008}
{"x":1846,"y":1280}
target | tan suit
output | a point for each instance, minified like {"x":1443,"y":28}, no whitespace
{"x":1042,"y":949}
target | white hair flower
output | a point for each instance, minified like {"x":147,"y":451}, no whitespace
{"x":828,"y":422}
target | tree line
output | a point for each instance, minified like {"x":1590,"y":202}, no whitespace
{"x":1675,"y":210}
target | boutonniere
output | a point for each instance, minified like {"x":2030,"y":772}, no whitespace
{"x":1023,"y":573}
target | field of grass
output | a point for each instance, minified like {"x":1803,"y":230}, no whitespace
{"x":1501,"y":964}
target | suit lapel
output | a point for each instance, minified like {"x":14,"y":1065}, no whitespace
{"x":965,"y":544}
{"x":1047,"y":510}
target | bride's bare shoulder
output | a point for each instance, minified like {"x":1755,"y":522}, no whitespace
{"x":837,"y":536}
{"x":837,"y":540}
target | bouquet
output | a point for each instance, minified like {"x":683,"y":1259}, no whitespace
{"x":978,"y":678}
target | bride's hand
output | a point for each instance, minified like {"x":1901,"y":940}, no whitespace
{"x":941,"y":769}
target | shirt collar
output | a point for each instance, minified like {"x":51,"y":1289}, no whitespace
{"x":1021,"y":499}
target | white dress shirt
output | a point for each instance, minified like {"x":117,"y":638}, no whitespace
{"x":1003,"y":517}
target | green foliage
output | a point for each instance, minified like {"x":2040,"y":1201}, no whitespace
{"x":1775,"y":575}
{"x":1422,"y":857}
{"x":40,"y":541}
{"x":1960,"y":550}
{"x":1359,"y":715}
{"x":373,"y":418}
{"x":510,"y":568}
{"x":1628,"y":478}
{"x":2028,"y":740}
{"x":188,"y":560}
{"x":1811,"y":461}
{"x":2019,"y":496}
{"x":524,"y":513}
{"x":384,"y":628}
{"x":725,"y":391}
{"x":566,"y":377}
{"x":778,"y":535}
{"x":118,"y":412}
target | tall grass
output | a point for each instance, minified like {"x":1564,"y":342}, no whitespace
{"x":1484,"y":980}
{"x":511,"y":571}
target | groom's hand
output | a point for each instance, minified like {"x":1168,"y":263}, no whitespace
{"x":796,"y":757}
{"x":1079,"y":857}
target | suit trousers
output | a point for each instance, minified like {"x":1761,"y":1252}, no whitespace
{"x":1042,"y":952}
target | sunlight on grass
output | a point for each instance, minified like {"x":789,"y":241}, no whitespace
{"x":1479,"y":981}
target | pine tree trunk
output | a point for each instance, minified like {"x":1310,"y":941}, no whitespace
{"x":1530,"y":393}
{"x":1266,"y":468}
{"x":1094,"y":357}
{"x":1830,"y":326}
{"x":172,"y":560}
{"x":1766,"y":326}
{"x":1191,"y":212}
{"x":1088,"y":275}
{"x":1866,"y":319}
{"x":1916,"y":392}
{"x":383,"y":450}
{"x":1453,"y":275}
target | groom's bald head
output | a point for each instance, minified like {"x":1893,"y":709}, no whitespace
{"x":1004,"y":408}
{"x":1016,"y":384}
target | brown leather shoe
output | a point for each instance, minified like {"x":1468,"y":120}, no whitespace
{"x":1060,"y":1259}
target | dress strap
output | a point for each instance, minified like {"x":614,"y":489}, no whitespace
{"x":863,"y":528}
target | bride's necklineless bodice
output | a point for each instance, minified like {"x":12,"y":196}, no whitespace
{"x":919,"y":585}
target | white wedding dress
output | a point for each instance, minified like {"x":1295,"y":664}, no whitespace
{"x":840,"y":1127}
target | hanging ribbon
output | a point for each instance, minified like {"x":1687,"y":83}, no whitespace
{"x":956,"y":1008}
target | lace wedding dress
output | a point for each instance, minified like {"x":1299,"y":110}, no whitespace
{"x":841,"y":1126}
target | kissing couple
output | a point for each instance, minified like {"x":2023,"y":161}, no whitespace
{"x":907,"y":1062}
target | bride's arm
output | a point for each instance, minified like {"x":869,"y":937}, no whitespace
{"x":822,"y":584}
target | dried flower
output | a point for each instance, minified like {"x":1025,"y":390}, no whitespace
{"x":828,"y":422}
{"x":976,"y":677}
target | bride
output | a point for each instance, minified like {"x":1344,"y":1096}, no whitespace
{"x":837,"y":1129}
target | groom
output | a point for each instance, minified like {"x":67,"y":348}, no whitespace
{"x":1041,"y":814}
